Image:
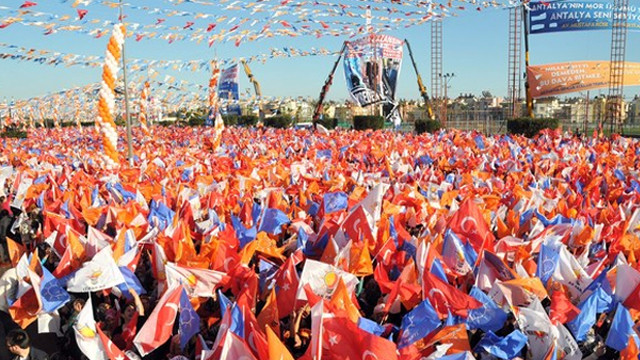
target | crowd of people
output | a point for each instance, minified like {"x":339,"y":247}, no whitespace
{"x":283,"y":244}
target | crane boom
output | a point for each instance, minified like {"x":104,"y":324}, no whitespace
{"x":256,"y":84}
{"x":421,"y":87}
{"x":325,"y":87}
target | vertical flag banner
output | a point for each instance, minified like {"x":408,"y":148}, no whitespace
{"x":371,"y":67}
{"x":213,"y":93}
{"x":106,"y":102}
{"x":228,"y":89}
{"x":142,"y":116}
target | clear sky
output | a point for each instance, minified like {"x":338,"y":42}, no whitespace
{"x":475,"y":49}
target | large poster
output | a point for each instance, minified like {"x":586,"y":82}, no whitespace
{"x":546,"y":17}
{"x":228,"y":89}
{"x":564,"y":78}
{"x":371,"y":67}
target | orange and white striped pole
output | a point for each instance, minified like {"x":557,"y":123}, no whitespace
{"x":214,"y":111}
{"x":106,"y":102}
{"x":142,"y":116}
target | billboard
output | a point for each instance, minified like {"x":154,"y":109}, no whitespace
{"x":568,"y":77}
{"x":228,"y":89}
{"x":546,"y":17}
{"x":371,"y":67}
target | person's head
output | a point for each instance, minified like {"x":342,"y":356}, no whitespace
{"x":18,"y":342}
{"x":129,"y":311}
{"x":78,"y":304}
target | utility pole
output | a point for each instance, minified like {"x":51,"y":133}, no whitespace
{"x":126,"y":97}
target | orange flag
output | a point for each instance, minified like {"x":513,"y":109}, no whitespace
{"x":268,"y":317}
{"x":15,"y":251}
{"x":341,"y":300}
{"x":631,"y":352}
{"x":277,"y":350}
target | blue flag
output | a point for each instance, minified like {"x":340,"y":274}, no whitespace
{"x":225,"y":303}
{"x":243,"y":234}
{"x":490,"y":317}
{"x":335,"y":201}
{"x":131,"y":282}
{"x":585,"y":320}
{"x":267,"y":272}
{"x":621,"y":329}
{"x":418,"y":323}
{"x":370,"y":326}
{"x":438,"y":270}
{"x":547,"y":262}
{"x":52,"y":294}
{"x":272,"y":221}
{"x":507,"y":347}
{"x":160,"y":215}
{"x":237,"y":321}
{"x":189,"y":320}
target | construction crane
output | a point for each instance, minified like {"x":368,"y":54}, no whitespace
{"x":325,"y":88}
{"x":421,"y":87}
{"x":256,"y":85}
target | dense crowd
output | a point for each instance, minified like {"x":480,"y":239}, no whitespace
{"x":282,"y":244}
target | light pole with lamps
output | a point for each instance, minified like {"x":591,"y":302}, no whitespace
{"x":447,"y":79}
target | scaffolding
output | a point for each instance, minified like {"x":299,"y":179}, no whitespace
{"x":514,"y":62}
{"x":615,"y":111}
{"x":436,"y":62}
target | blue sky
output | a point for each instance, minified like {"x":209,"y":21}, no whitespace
{"x":475,"y":49}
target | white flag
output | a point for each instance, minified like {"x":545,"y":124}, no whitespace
{"x":98,"y":274}
{"x":87,"y":335}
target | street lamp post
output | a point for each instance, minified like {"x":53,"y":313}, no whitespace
{"x":447,"y":79}
{"x":126,"y":98}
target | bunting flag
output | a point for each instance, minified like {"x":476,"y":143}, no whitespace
{"x":106,"y":103}
{"x":142,"y":109}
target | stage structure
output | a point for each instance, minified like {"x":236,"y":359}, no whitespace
{"x":372,"y":68}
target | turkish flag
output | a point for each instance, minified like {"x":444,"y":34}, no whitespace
{"x":286,"y":288}
{"x":159,"y":326}
{"x":110,"y":348}
{"x":357,"y":226}
{"x":469,"y":223}
{"x":446,"y":297}
{"x":342,"y":339}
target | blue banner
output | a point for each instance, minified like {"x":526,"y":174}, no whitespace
{"x":546,"y":17}
{"x":228,"y":89}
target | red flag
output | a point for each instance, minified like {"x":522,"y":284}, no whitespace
{"x":110,"y":348}
{"x":562,"y":310}
{"x":357,"y":226}
{"x":27,"y":4}
{"x":469,"y":223}
{"x":446,"y":297}
{"x":129,"y":330}
{"x":287,"y":287}
{"x":82,"y":13}
{"x":343,"y":339}
{"x":159,"y":326}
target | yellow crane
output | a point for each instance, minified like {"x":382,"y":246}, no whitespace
{"x":256,"y":85}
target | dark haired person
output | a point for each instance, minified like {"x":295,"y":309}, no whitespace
{"x":19,"y":344}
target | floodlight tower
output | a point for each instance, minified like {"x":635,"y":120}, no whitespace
{"x":436,"y":63}
{"x":514,"y":62}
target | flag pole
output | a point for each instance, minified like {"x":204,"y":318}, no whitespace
{"x":126,"y":96}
